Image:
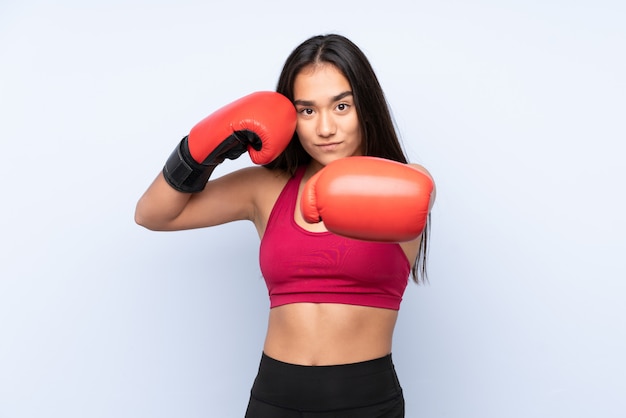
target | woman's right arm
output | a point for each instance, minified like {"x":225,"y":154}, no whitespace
{"x":160,"y":206}
{"x":180,"y":197}
{"x":228,"y":198}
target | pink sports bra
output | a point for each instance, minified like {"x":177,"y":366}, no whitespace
{"x":321,"y":267}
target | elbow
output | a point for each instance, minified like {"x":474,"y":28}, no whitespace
{"x":143,"y":219}
{"x":139,"y":221}
{"x":152,"y":223}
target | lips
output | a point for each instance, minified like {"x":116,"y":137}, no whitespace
{"x":331,"y":146}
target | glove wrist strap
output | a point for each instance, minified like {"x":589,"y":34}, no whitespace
{"x":183,"y":173}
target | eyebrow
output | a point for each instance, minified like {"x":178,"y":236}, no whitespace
{"x":333,"y":99}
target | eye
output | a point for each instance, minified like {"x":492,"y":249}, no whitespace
{"x":342,"y":107}
{"x":307,"y":111}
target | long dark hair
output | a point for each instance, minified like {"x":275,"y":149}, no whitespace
{"x":378,"y":130}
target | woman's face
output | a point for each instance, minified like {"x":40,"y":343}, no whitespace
{"x":328,"y":125}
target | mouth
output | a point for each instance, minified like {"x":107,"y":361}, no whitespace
{"x":330,"y":146}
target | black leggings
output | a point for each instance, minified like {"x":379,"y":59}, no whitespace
{"x":369,"y":389}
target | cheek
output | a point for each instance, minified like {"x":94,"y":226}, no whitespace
{"x":303,"y":138}
{"x":304,"y":131}
{"x":350,"y":123}
{"x":357,"y":134}
{"x":354,"y":129}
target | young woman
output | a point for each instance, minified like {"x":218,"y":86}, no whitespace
{"x":327,"y":150}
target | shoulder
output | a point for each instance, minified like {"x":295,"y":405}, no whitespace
{"x":252,"y":183}
{"x":422,"y":169}
{"x":256,"y":176}
{"x":264,"y":185}
{"x":261,"y":183}
{"x":246,"y":193}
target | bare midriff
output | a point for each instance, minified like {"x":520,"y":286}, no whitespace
{"x":320,"y":334}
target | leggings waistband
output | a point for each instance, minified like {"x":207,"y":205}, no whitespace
{"x":323,"y":388}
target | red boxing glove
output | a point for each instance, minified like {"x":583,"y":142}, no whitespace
{"x":261,"y":123}
{"x":369,"y":198}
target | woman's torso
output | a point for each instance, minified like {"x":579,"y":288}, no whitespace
{"x":321,"y":333}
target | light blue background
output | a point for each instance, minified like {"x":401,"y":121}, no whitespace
{"x":516,"y":107}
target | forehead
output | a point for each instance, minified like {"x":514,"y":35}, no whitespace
{"x":319,"y":81}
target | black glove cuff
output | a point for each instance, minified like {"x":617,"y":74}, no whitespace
{"x":183,"y":173}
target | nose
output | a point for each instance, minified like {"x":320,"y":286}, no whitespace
{"x":326,"y":125}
